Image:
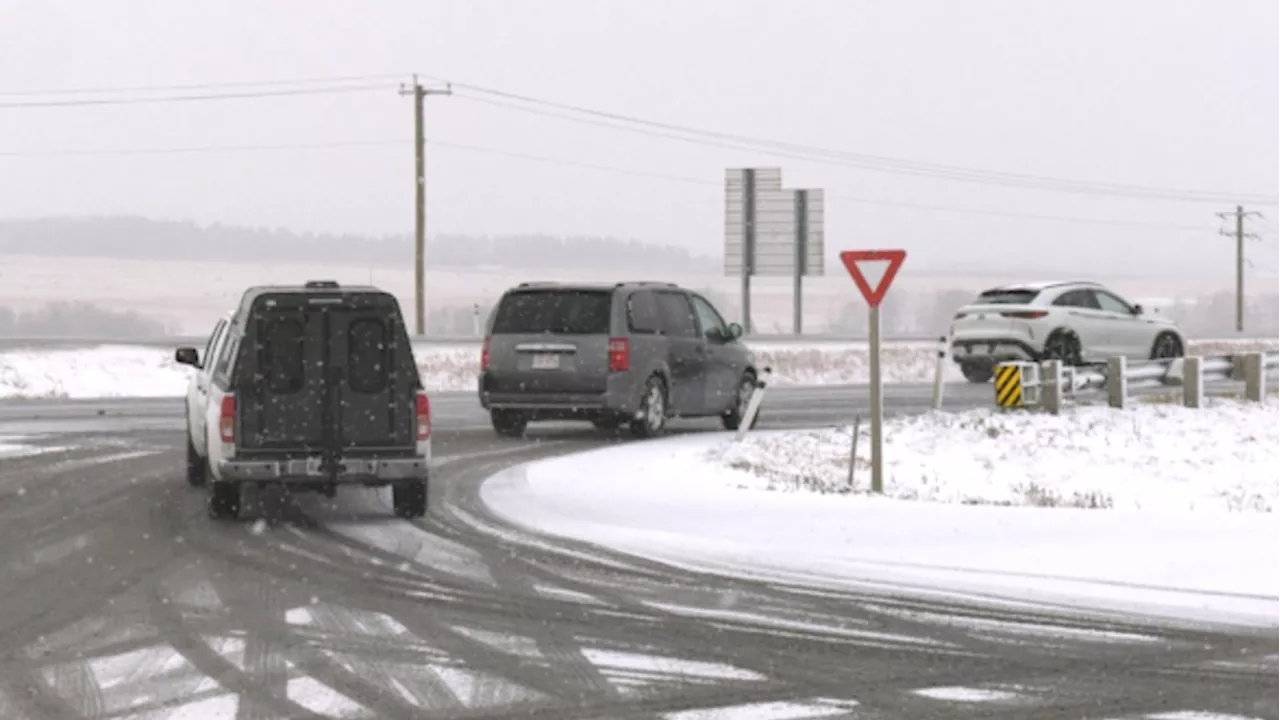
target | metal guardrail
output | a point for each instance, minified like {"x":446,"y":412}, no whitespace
{"x":13,"y":343}
{"x":1049,"y":384}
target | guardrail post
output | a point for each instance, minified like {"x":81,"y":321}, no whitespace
{"x":1255,"y":375}
{"x":1192,"y":381}
{"x":1051,"y":380}
{"x":1117,"y":383}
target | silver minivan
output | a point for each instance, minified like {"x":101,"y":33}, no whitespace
{"x":634,"y":353}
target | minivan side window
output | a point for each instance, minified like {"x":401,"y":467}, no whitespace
{"x":713,"y":326}
{"x":676,"y":315}
{"x":642,"y":313}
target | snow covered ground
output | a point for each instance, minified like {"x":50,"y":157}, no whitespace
{"x":138,"y":371}
{"x":1156,"y":509}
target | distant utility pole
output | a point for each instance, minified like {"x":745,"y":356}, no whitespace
{"x":1239,"y":235}
{"x":420,"y":94}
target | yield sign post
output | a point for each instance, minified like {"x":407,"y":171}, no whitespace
{"x":851,"y":259}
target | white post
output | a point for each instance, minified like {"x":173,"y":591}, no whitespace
{"x":1051,"y":388}
{"x":943,"y":349}
{"x":475,"y":320}
{"x":753,"y":408}
{"x":853,"y":448}
{"x":877,"y":401}
{"x":1255,"y":376}
{"x":1192,"y":382}
{"x":1117,"y":384}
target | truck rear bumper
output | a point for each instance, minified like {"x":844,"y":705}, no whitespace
{"x":302,"y":471}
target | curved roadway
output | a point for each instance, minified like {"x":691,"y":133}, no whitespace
{"x":119,"y":598}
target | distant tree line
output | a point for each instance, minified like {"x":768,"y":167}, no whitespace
{"x":78,"y":319}
{"x":145,"y":239}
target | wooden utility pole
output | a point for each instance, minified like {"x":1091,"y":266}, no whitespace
{"x":1239,"y":234}
{"x":420,"y":94}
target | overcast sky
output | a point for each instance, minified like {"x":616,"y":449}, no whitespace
{"x":1177,"y":94}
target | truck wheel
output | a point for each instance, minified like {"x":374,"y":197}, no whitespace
{"x":975,"y":373}
{"x":224,"y":500}
{"x":508,"y":423}
{"x":197,"y":470}
{"x":409,"y":499}
{"x":652,"y":420}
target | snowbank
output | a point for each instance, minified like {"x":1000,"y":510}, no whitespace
{"x":695,"y":501}
{"x":134,"y":371}
{"x":1225,"y":457}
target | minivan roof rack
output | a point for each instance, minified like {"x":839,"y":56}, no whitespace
{"x":646,"y":282}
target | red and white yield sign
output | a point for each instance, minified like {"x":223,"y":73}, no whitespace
{"x":851,"y":258}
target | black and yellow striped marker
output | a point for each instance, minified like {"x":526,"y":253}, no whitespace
{"x":1008,"y":386}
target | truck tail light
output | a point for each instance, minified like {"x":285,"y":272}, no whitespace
{"x":227,"y":419}
{"x":423,"y":416}
{"x":484,"y":355}
{"x":619,"y":355}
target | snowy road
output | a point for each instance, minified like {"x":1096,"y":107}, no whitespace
{"x":119,"y":598}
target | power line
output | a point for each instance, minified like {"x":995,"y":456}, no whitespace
{"x":862,"y":161}
{"x":193,"y":97}
{"x":341,"y":144}
{"x":199,"y":86}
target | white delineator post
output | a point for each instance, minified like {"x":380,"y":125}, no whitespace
{"x":943,"y":350}
{"x":753,"y":406}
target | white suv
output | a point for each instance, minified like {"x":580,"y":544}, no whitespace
{"x":1076,"y":322}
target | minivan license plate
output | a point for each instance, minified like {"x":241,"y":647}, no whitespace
{"x":546,"y":362}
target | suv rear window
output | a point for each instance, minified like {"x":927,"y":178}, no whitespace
{"x":557,"y":312}
{"x":1007,"y":297}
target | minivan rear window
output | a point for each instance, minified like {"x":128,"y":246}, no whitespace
{"x":1007,"y":297}
{"x":555,"y":312}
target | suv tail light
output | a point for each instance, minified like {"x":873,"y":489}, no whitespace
{"x":1026,"y":314}
{"x":619,"y":355}
{"x":227,"y":419}
{"x":959,"y":316}
{"x":423,"y":416}
{"x":484,"y":355}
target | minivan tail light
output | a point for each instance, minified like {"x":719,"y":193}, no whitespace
{"x":1026,"y":314}
{"x":619,"y":355}
{"x":484,"y":355}
{"x":423,"y":416}
{"x":227,"y":419}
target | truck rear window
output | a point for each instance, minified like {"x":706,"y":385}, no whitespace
{"x":555,"y":312}
{"x":1007,"y":297}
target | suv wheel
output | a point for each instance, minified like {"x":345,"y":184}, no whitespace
{"x":224,"y":500}
{"x":196,"y":468}
{"x":652,"y":419}
{"x":409,"y":499}
{"x":1062,"y":345}
{"x":976,"y":373}
{"x":732,"y":419}
{"x":508,"y":423}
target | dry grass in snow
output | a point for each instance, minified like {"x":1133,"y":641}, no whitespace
{"x":1222,"y":457}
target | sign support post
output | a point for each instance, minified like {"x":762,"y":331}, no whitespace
{"x":802,"y":252}
{"x":748,"y":243}
{"x":851,"y":258}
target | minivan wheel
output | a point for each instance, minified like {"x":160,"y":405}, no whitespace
{"x":652,"y":418}
{"x":224,"y":500}
{"x":196,"y":467}
{"x":733,"y":418}
{"x":508,"y":423}
{"x":409,"y":499}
